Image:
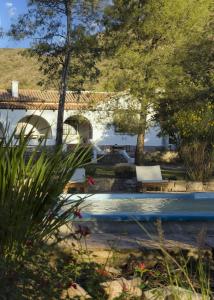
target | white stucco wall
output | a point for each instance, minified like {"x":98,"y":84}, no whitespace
{"x":151,"y":138}
{"x":11,"y":118}
{"x":103,"y":134}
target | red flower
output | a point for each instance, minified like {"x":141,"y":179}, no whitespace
{"x":141,"y":266}
{"x":77,"y":214}
{"x":73,"y":285}
{"x":83,"y":230}
{"x":90,"y":180}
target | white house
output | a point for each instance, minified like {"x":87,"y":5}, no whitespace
{"x":38,"y":109}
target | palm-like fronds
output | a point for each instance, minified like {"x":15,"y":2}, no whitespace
{"x":31,"y":203}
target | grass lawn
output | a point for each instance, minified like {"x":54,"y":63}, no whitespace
{"x":176,"y":174}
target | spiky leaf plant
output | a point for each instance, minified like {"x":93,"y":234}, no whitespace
{"x":32,"y":207}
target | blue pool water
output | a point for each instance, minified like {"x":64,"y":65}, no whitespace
{"x":147,"y":207}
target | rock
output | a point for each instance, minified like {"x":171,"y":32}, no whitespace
{"x":75,"y":291}
{"x":209,"y":186}
{"x":180,"y":186}
{"x":116,"y":287}
{"x":195,"y":186}
{"x":102,"y":185}
{"x":169,"y":186}
{"x":172,"y":293}
{"x":112,"y":270}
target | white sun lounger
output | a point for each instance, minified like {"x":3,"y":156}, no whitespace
{"x":149,"y":176}
{"x":78,"y":176}
{"x":77,"y":181}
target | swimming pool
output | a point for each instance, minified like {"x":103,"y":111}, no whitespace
{"x":148,"y":207}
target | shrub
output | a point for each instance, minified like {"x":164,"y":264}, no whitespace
{"x":124,"y":170}
{"x":31,"y":203}
{"x":170,"y":157}
{"x":198,"y":159}
{"x":161,"y":157}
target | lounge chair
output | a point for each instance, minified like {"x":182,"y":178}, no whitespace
{"x":149,"y":176}
{"x":77,"y":181}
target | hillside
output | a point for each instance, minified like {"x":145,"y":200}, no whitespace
{"x":15,"y":66}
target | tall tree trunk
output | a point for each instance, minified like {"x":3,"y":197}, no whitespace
{"x":64,"y":77}
{"x":139,"y":149}
{"x":141,"y":137}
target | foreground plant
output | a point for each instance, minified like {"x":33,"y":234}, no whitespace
{"x":190,"y":271}
{"x":49,"y":273}
{"x":32,"y":206}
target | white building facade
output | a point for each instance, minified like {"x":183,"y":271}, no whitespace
{"x":38,"y":110}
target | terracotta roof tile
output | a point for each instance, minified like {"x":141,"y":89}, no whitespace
{"x":48,"y":100}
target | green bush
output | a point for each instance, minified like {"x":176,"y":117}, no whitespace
{"x":198,"y":160}
{"x":32,"y":207}
{"x":124,"y":170}
{"x":160,"y":157}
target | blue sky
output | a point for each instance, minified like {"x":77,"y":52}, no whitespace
{"x":9,"y":11}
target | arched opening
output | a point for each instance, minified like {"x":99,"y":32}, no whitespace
{"x":77,"y":129}
{"x":34,"y":126}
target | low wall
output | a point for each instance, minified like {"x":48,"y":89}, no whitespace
{"x":190,"y":186}
{"x":130,"y":185}
{"x":114,"y":185}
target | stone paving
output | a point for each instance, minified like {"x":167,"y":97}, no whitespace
{"x":137,"y":242}
{"x":132,"y":236}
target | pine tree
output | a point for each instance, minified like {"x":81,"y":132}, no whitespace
{"x":64,"y":41}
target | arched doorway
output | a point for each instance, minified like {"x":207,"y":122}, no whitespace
{"x":77,"y":129}
{"x":35,"y":126}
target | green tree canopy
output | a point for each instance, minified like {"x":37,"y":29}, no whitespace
{"x":63,"y":34}
{"x":145,"y":39}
